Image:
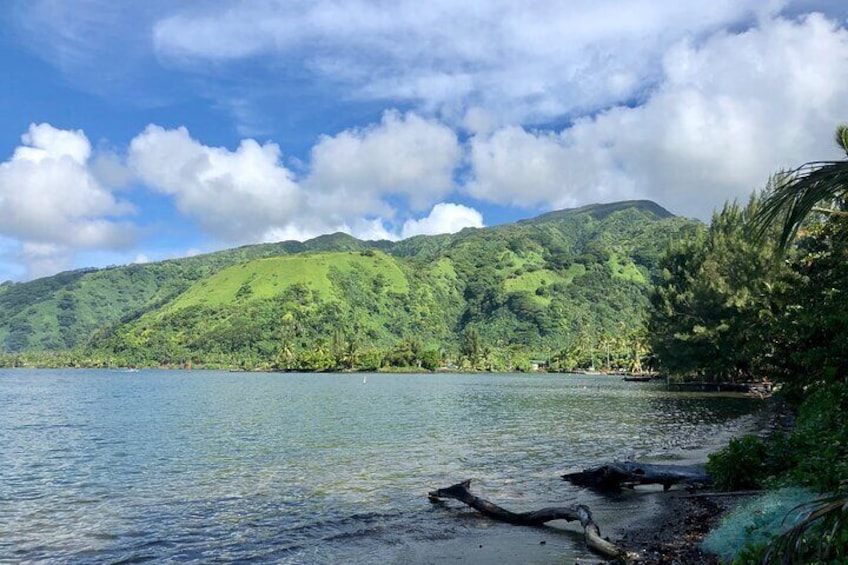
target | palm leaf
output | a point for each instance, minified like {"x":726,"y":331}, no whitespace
{"x":795,"y":195}
{"x":825,"y":519}
{"x":842,"y":136}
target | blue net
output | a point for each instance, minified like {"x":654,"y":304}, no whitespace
{"x":757,"y":521}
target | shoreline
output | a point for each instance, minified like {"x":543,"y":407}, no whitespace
{"x":673,"y":532}
{"x":653,"y":526}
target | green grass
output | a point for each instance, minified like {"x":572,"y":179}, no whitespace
{"x":269,"y":277}
{"x":534,"y":279}
{"x":530,"y":282}
{"x":626,"y":269}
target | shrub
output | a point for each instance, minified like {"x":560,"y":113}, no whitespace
{"x":739,"y":466}
{"x":819,"y":442}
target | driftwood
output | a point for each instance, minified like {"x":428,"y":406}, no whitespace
{"x":618,"y":474}
{"x":579,"y":513}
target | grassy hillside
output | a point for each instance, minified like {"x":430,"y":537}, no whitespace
{"x":266,"y":278}
{"x":537,"y":287}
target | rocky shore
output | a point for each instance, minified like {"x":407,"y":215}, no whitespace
{"x":673,"y":535}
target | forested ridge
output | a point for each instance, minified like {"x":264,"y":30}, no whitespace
{"x":571,"y":286}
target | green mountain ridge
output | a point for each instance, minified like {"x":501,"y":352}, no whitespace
{"x":538,"y":285}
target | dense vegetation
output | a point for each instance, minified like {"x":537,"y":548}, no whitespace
{"x":570,"y":287}
{"x":761,"y":292}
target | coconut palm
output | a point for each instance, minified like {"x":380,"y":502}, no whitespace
{"x":817,"y":186}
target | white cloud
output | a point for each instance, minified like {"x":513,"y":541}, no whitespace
{"x":403,"y":155}
{"x":524,"y":61}
{"x":684,"y":103}
{"x":369,"y":230}
{"x":527,"y":169}
{"x":443,"y":218}
{"x":729,"y":112}
{"x":247,"y":195}
{"x":51,"y":203}
{"x":237,"y":196}
{"x":44,"y":259}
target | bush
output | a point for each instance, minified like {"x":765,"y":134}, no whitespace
{"x":741,"y":465}
{"x":819,"y":442}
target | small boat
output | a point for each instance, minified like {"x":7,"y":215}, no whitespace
{"x":638,"y":378}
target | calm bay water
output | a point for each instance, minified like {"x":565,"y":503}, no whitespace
{"x":121,"y":467}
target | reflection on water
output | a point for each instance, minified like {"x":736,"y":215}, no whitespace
{"x":101,"y":466}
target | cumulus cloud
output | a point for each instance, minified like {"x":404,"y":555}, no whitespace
{"x":247,"y":195}
{"x":687,"y":104}
{"x":237,"y":196}
{"x":52,"y":204}
{"x":728,"y":112}
{"x":404,"y":155}
{"x":525,"y":61}
{"x":44,"y":259}
{"x":443,"y":218}
{"x":513,"y":166}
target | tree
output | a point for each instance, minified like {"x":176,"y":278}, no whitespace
{"x":471,"y":347}
{"x":707,"y":313}
{"x":810,"y":207}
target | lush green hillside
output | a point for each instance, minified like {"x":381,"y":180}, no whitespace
{"x":565,"y":284}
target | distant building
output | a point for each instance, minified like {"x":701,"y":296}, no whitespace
{"x":538,"y":365}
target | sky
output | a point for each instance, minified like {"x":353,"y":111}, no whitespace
{"x":142,"y":131}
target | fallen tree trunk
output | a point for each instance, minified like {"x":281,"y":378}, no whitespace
{"x":618,"y":474}
{"x":579,"y":513}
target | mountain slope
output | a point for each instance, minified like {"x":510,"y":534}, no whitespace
{"x":535,"y":285}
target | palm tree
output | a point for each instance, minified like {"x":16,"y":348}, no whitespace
{"x":797,"y":194}
{"x":814,"y":187}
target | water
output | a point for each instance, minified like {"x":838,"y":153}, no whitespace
{"x":120,"y":467}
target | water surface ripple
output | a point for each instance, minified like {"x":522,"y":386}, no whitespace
{"x":216,"y":467}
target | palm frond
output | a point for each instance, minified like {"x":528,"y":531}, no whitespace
{"x":842,"y":136}
{"x":818,"y":534}
{"x":796,"y":194}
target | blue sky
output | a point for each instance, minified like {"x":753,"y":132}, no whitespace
{"x":141,"y":131}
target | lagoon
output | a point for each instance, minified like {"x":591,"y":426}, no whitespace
{"x":105,"y":466}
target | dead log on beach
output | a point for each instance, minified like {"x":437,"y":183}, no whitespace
{"x":579,"y":513}
{"x":613,"y":476}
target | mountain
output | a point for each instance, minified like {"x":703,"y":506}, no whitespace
{"x":536,"y":286}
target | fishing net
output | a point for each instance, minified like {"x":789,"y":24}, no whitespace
{"x":757,"y":521}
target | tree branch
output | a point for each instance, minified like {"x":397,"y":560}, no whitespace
{"x":578,"y":513}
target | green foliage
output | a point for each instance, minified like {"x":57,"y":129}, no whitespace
{"x":709,"y":315}
{"x":751,"y":554}
{"x":811,"y":321}
{"x":741,"y":465}
{"x":814,"y":454}
{"x":819,"y":442}
{"x":335,"y":303}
